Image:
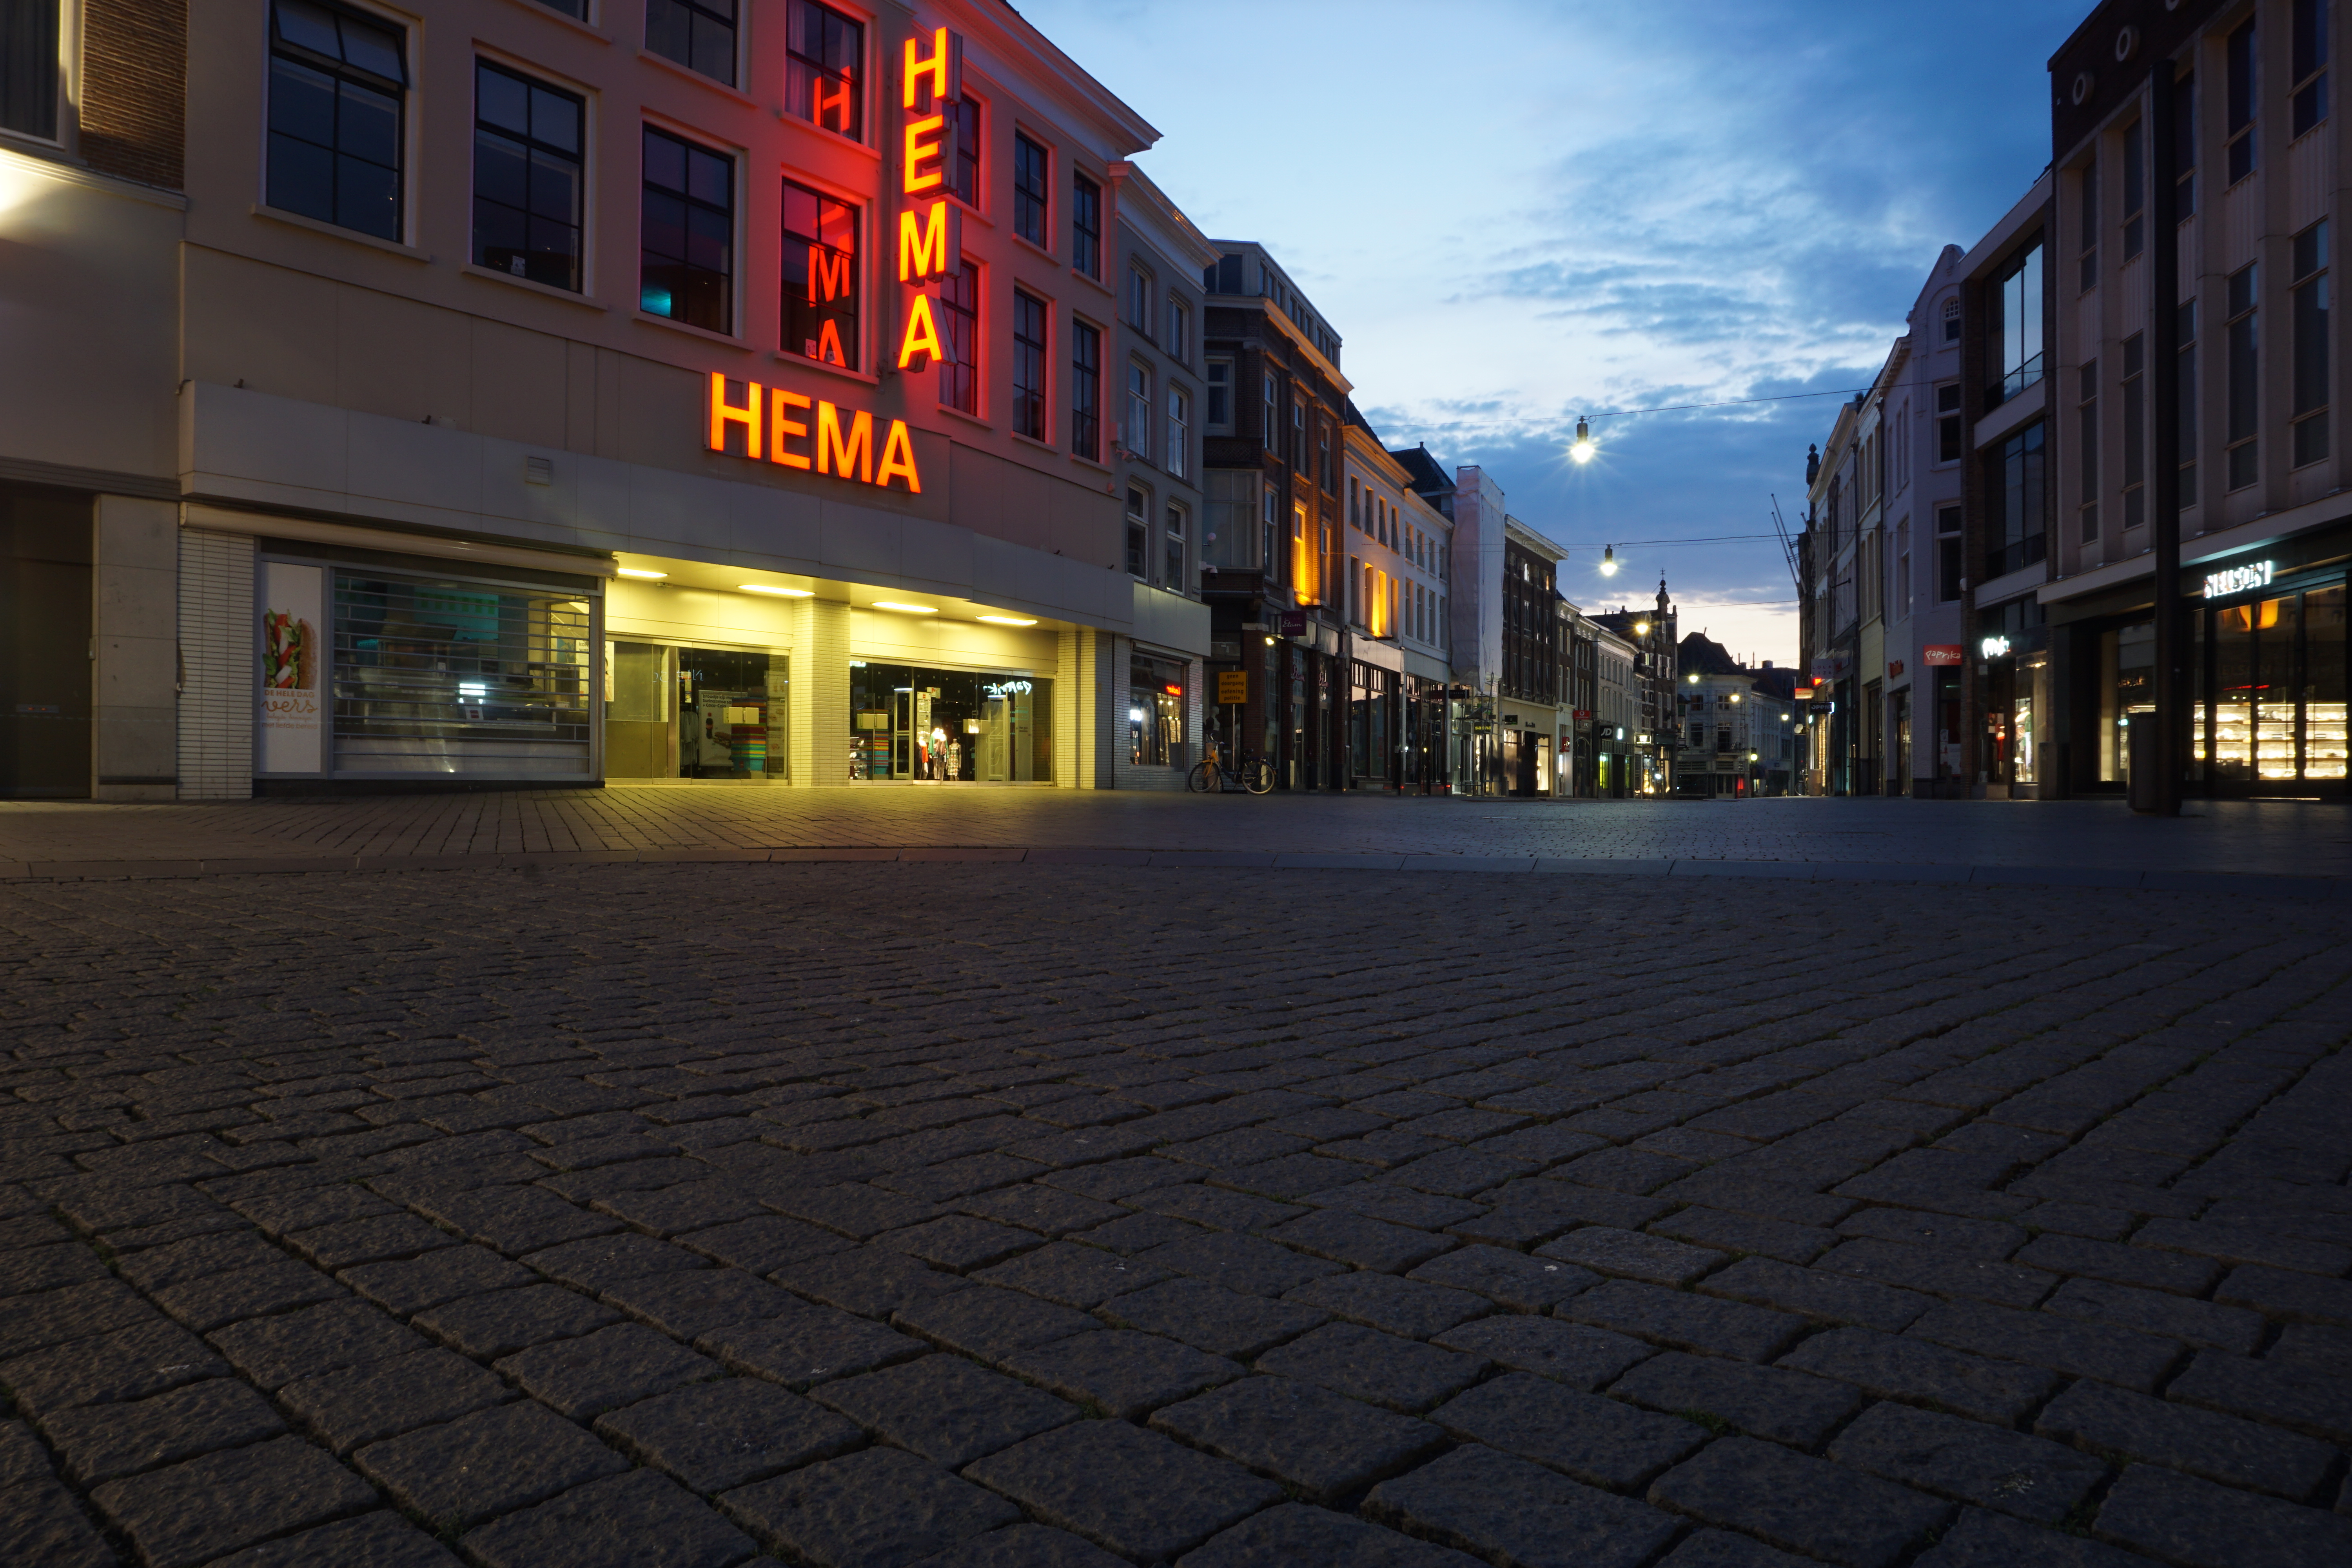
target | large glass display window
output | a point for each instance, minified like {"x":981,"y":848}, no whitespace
{"x":2271,"y":713}
{"x":1155,"y":712}
{"x":949,"y":726}
{"x":695,"y":713}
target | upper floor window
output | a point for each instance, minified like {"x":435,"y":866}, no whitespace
{"x":527,"y":177}
{"x":1139,"y":300}
{"x":821,"y":281}
{"x":687,"y":230}
{"x":1948,"y":435}
{"x":1137,"y":434}
{"x":2242,"y":77}
{"x":1221,"y":396}
{"x":2086,"y":186}
{"x":338,"y":82}
{"x":2014,"y":302}
{"x":1299,"y":435}
{"x":1086,"y":391}
{"x":959,"y":324}
{"x":1179,"y":431}
{"x":2309,"y":66}
{"x":963,"y":117}
{"x":2135,"y":190}
{"x":2184,"y":142}
{"x":1952,"y":319}
{"x":698,"y":34}
{"x":823,"y":55}
{"x":1029,"y":206}
{"x":1028,"y":366}
{"x":1176,"y":340}
{"x":2308,"y":295}
{"x":1271,"y":414}
{"x":29,"y":67}
{"x":1086,"y":225}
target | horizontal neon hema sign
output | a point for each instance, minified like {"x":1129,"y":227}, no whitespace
{"x":823,"y":440}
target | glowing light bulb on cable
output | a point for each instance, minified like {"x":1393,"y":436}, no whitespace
{"x":1609,"y":561}
{"x":1582,"y":449}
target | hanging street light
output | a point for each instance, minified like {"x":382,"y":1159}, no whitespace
{"x":1609,"y":561}
{"x":1583,"y":449}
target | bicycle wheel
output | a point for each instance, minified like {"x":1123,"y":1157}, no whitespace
{"x":1203,"y":779}
{"x":1258,"y":776}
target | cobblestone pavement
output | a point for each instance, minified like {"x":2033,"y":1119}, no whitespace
{"x":1039,"y":1217}
{"x":2273,"y":837}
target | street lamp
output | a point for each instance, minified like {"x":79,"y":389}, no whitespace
{"x":1583,"y":449}
{"x":1607,"y":558}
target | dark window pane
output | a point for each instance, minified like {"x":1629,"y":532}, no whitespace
{"x":307,"y":27}
{"x":500,"y":169}
{"x":500,"y":236}
{"x":503,"y":99}
{"x":554,"y":187}
{"x":372,"y":49}
{"x":303,"y":102}
{"x":712,"y":177}
{"x":302,"y":178}
{"x":555,"y":119}
{"x":367,"y":198}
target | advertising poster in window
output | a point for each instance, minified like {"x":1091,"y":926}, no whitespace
{"x":293,"y":667}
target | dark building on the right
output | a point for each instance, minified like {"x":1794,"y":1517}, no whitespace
{"x":2198,"y":161}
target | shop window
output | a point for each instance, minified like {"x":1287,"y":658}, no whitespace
{"x":820,"y":277}
{"x":1028,"y":366}
{"x":695,"y":712}
{"x":1221,"y":396}
{"x":1155,"y":712}
{"x":2244,"y":371}
{"x":1029,"y":190}
{"x":1139,"y":533}
{"x":1086,"y":225}
{"x":2308,"y":66}
{"x":338,"y":88}
{"x":947,"y":726}
{"x":1086,"y":391}
{"x":959,"y":325}
{"x":824,"y":54}
{"x":29,"y":70}
{"x":1136,"y":435}
{"x":1177,"y":579}
{"x":1178,"y":447}
{"x":2309,"y":299}
{"x":2240,"y":64}
{"x":689,"y":226}
{"x":697,"y":34}
{"x":527,"y":177}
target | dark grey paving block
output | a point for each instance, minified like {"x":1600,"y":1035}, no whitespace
{"x":1721,"y":1548}
{"x":1945,"y":1233}
{"x":407,"y":1286}
{"x":1381,"y":1369}
{"x":1984,"y":1540}
{"x":1412,"y":1308}
{"x":1137,"y":1233}
{"x":946,"y":1409}
{"x":2283,"y":1393}
{"x":47,"y":1317}
{"x":1889,"y":1366}
{"x":1786,"y":1406}
{"x":22,"y":1457}
{"x":1321,"y":1444}
{"x":274,"y":1351}
{"x":129,"y":1363}
{"x":1048,"y":1211}
{"x":1573,"y":1353}
{"x":763,"y":1244}
{"x":1070,"y":1275}
{"x":1024,"y":1546}
{"x":40,"y":1524}
{"x":598,"y":1262}
{"x":2232,"y":1328}
{"x":621,"y":1521}
{"x":379,"y":1539}
{"x":715,"y":1435}
{"x":176,"y":1263}
{"x":692,"y":1302}
{"x":371,"y":1240}
{"x":1512,"y":1511}
{"x":2119,"y":1356}
{"x":959,"y":1242}
{"x":1598,"y":1441}
{"x":99,"y":1442}
{"x":1818,"y":1294}
{"x":1684,"y":1321}
{"x":500,"y":1322}
{"x":1633,"y":1255}
{"x":619,"y":1365}
{"x":1296,"y":1536}
{"x":1120,"y":1371}
{"x":852,"y":1208}
{"x":2182,"y":1273}
{"x":871,"y":1281}
{"x":193,"y":1511}
{"x":1510,"y":1279}
{"x":2240,"y":1243}
{"x":2104,"y":1420}
{"x":517,"y":1219}
{"x":1938,"y":1273}
{"x":1216,"y":1207}
{"x":987,"y":1322}
{"x":483,"y":1465}
{"x":1800,"y":1504}
{"x":1362,"y":1241}
{"x":881,"y":1508}
{"x":808,"y":1347}
{"x":2285,"y":1295}
{"x":1968,"y":1462}
{"x":688,"y":1206}
{"x":259,"y":1292}
{"x":2181,"y":1520}
{"x":383,"y":1399}
{"x":1133,"y":1492}
{"x":1209,"y":1316}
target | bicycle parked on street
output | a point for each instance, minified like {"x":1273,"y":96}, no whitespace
{"x":1213,"y":774}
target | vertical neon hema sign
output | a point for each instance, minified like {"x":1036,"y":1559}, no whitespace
{"x":930,"y":228}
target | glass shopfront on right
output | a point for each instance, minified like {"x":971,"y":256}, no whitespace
{"x":2269,"y":713}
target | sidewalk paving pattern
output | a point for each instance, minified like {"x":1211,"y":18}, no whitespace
{"x":955,"y":1215}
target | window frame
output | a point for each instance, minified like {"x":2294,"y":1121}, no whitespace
{"x":1137,"y":521}
{"x":341,"y":71}
{"x":2307,"y":54}
{"x":1032,"y":208}
{"x":1176,"y":537}
{"x":1176,"y":338}
{"x":55,"y":92}
{"x":1140,"y":287}
{"x":1028,"y":414}
{"x":700,"y":8}
{"x":531,"y":143}
{"x":854,"y":349}
{"x":1177,"y":438}
{"x":733,"y":275}
{"x":1218,"y":388}
{"x":1086,"y":390}
{"x":2310,"y":370}
{"x":957,"y":373}
{"x":1085,"y":225}
{"x":1142,"y":396}
{"x":854,"y":80}
{"x":2242,"y":337}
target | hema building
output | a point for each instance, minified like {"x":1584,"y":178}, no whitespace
{"x":499,"y":391}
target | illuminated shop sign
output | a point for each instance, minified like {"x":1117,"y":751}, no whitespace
{"x":931,"y":229}
{"x":1994,"y":647}
{"x":824,"y":439}
{"x":1942,"y":653}
{"x":2238,"y":579}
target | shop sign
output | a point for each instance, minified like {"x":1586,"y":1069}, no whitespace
{"x":1581,"y":713}
{"x":1994,"y":647}
{"x":1937,"y":653}
{"x":1830,"y":667}
{"x":2239,"y":579}
{"x":1232,"y":685}
{"x":293,"y":658}
{"x":826,"y":439}
{"x":1294,"y":622}
{"x":1894,"y":669}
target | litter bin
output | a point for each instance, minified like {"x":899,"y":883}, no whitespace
{"x":2140,"y":757}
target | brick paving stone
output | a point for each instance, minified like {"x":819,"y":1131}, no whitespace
{"x":1684,"y":1321}
{"x":1210,"y":1318}
{"x":22,"y":1457}
{"x":1984,"y":1540}
{"x":671,"y":1212}
{"x":347,"y":1242}
{"x":1800,"y":1504}
{"x":483,"y":1465}
{"x":2280,"y":1293}
{"x":258,"y":1292}
{"x":99,"y":1442}
{"x":409,"y":1287}
{"x":1137,"y":1233}
{"x":1023,"y":1546}
{"x":946,"y":1409}
{"x":1573,"y":1353}
{"x":1968,"y":1462}
{"x":1398,"y":1205}
{"x":274,"y":1351}
{"x":129,"y":1363}
{"x":1817,"y":1294}
{"x":1382,"y":1369}
{"x":2119,"y":1356}
{"x":2181,"y":1273}
{"x":959,"y":1242}
{"x":39,"y":1523}
{"x":1360,"y":1241}
{"x":621,"y":1521}
{"x":49,"y":1317}
{"x":619,"y":1365}
{"x":2184,"y":1520}
{"x":1510,"y":1279}
{"x":692,"y":1302}
{"x":1514,"y":1511}
{"x":1988,"y":1240}
{"x":2108,"y":1421}
{"x":762,"y":1243}
{"x":1295,"y":1535}
{"x":598,"y":1262}
{"x":1212,"y":1206}
{"x":878,"y":1508}
{"x":196,"y":1258}
{"x":1243,"y":1263}
{"x":500,"y":1322}
{"x":1721,"y":1548}
{"x":1632,"y":1254}
{"x":987,"y":1322}
{"x":871,"y":1281}
{"x":714,"y":1436}
{"x":1133,"y":1492}
{"x":192,"y":1512}
{"x":2326,"y":1349}
{"x":1888,"y":1366}
{"x":1598,"y":1441}
{"x":1071,"y":1275}
{"x":2158,"y":1312}
{"x":1753,"y":1234}
{"x":1785,"y":1406}
{"x":1937,"y":1274}
{"x":1412,"y":1308}
{"x":2235,"y":1243}
{"x":1319,"y":1443}
{"x":379,"y":1539}
{"x":385,"y":1399}
{"x":1120,"y":1371}
{"x":2280,"y":1392}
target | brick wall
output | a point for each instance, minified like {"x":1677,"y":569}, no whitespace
{"x":134,"y":88}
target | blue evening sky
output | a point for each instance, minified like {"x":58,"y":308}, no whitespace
{"x":1512,"y":211}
